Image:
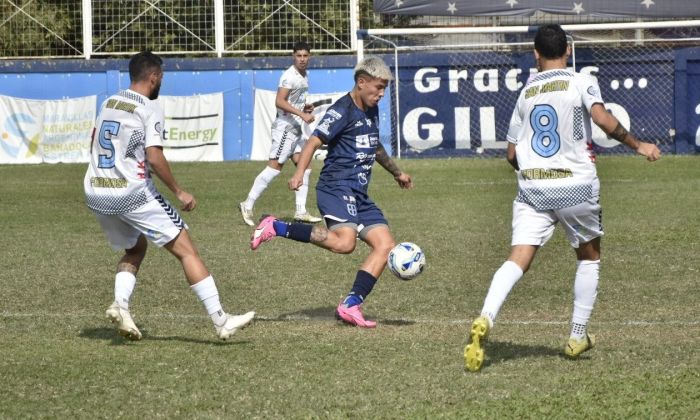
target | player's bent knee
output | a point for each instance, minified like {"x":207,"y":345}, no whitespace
{"x":344,"y":247}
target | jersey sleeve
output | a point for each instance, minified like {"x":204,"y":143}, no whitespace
{"x":331,"y":125}
{"x":589,"y":90}
{"x":154,"y":128}
{"x":287,"y":80}
{"x":516,"y":122}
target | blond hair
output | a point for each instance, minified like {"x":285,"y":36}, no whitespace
{"x":373,"y":66}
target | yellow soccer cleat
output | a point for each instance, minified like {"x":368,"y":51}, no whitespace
{"x":474,"y":351}
{"x":575,"y":347}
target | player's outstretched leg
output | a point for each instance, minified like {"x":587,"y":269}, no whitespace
{"x":474,"y":351}
{"x":264,"y":232}
{"x":122,"y":319}
{"x":233,"y":323}
{"x":574,"y":347}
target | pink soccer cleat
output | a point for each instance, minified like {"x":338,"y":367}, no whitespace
{"x":263,"y":233}
{"x":353,"y":316}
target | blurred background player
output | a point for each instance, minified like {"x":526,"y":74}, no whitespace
{"x":287,"y":139}
{"x":549,"y":145}
{"x":350,"y":129}
{"x":127,"y":147}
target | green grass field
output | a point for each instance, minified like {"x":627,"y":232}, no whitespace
{"x":59,"y":357}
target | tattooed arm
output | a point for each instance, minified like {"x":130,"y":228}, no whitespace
{"x":388,"y":163}
{"x":612,"y":127}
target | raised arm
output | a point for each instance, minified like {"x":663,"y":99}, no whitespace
{"x":612,"y":127}
{"x":282,"y":103}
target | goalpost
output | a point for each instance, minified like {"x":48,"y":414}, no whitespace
{"x":455,"y":88}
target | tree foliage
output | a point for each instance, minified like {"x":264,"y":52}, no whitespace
{"x":178,"y":26}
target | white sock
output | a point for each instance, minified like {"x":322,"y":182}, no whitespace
{"x":208,"y":294}
{"x":585,"y":293}
{"x":503,"y":281}
{"x":302,"y":193}
{"x":260,"y":184}
{"x":124,"y":283}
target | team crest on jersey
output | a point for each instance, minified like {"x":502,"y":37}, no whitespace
{"x":362,"y":141}
{"x":325,"y":125}
{"x":158,"y":127}
{"x":369,"y":122}
{"x":593,"y":91}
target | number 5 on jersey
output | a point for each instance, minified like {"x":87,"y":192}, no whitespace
{"x":108,"y":129}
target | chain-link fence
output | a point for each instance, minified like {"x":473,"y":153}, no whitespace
{"x":83,"y":28}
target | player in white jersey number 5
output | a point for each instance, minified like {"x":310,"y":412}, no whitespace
{"x":287,"y":141}
{"x":550,"y":148}
{"x":127,"y":146}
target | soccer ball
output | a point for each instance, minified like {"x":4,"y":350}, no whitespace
{"x":406,"y":260}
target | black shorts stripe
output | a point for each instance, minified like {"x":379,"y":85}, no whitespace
{"x":172,"y":213}
{"x":281,"y":146}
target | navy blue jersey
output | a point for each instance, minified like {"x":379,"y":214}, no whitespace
{"x":352,"y":136}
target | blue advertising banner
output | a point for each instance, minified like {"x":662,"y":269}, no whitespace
{"x":449,"y":106}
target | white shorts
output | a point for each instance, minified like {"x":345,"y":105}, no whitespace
{"x":157,"y":220}
{"x":582,"y":223}
{"x":285,"y":143}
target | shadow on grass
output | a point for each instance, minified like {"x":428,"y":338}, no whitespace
{"x":501,"y":351}
{"x":326,"y":314}
{"x":111,"y":335}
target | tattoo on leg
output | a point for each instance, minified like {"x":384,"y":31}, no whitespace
{"x":319,"y":234}
{"x":128,"y":267}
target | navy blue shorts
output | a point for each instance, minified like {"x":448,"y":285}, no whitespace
{"x":343,"y":205}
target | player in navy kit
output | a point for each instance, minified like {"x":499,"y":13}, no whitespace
{"x":350,"y":130}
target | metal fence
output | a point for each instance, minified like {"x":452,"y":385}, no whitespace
{"x":104,"y":28}
{"x":86,"y":28}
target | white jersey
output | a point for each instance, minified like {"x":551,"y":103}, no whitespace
{"x":118,"y":180}
{"x":551,"y":128}
{"x":298,"y":86}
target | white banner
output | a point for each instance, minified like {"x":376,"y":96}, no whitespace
{"x":35,"y":131}
{"x":265,"y":112}
{"x":194,"y":127}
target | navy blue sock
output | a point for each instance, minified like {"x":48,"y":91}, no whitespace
{"x":300,"y":232}
{"x":364,"y":283}
{"x":281,"y":227}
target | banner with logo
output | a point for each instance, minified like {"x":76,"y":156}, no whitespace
{"x":36,"y":131}
{"x":454,"y":110}
{"x":265,"y":113}
{"x":193,"y":127}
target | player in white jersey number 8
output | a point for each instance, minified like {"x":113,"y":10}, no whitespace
{"x":550,"y":148}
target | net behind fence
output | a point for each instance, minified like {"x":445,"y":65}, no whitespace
{"x":455,"y":93}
